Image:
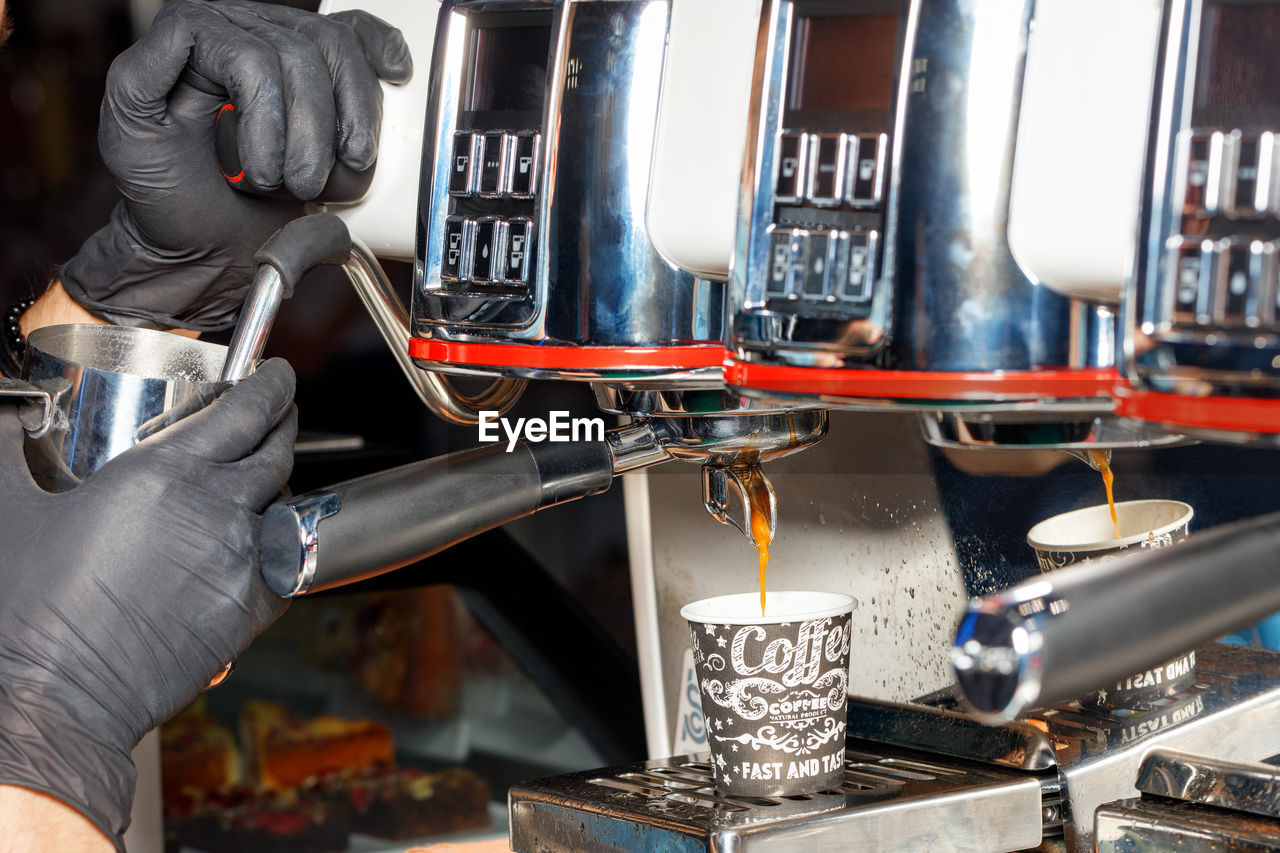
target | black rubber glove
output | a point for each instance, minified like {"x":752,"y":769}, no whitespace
{"x":124,"y":596}
{"x":178,"y":249}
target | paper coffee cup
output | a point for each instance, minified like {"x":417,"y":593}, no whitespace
{"x":1084,"y":535}
{"x":774,"y":689}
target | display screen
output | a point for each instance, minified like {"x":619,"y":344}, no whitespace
{"x":508,"y":68}
{"x":1238,"y":66}
{"x":844,"y":63}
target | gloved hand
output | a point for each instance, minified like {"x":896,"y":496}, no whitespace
{"x":178,"y":249}
{"x":124,"y":596}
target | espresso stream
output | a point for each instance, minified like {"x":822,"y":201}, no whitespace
{"x":1099,"y":458}
{"x":761,"y":530}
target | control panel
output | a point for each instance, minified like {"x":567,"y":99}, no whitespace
{"x":1220,"y":267}
{"x":813,"y":276}
{"x":831,"y":159}
{"x":481,"y":181}
{"x":824,"y":262}
{"x":490,"y":249}
{"x":1207,"y":298}
{"x":534,"y":256}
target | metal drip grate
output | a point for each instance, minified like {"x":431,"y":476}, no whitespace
{"x":692,"y":782}
{"x":673,"y":805}
{"x":919,"y":776}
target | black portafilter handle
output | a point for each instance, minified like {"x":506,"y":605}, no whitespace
{"x":374,"y":524}
{"x":1062,"y":635}
{"x":345,"y":185}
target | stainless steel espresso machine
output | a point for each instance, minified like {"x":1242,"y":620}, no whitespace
{"x":878,"y":271}
{"x":856,"y":283}
{"x":879,"y":257}
{"x":1201,"y":343}
{"x":533,"y":260}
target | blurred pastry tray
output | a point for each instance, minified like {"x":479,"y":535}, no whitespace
{"x":368,"y":844}
{"x":497,"y":829}
{"x":499,"y":714}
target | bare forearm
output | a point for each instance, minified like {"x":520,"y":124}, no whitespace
{"x":35,"y":823}
{"x":56,"y":308}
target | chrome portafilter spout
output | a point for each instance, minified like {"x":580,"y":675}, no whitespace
{"x":729,"y":436}
{"x":731,"y":449}
{"x":738,"y":496}
{"x":1092,"y":457}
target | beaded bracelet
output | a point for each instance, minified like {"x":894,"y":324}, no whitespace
{"x":14,"y":345}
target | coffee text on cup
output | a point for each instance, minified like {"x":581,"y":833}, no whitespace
{"x":798,"y":663}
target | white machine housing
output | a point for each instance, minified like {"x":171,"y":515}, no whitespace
{"x":1077,"y":174}
{"x":1081,"y":139}
{"x":386,"y":217}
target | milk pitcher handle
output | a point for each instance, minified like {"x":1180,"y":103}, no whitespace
{"x":35,"y":405}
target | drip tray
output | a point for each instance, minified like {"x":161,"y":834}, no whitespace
{"x":891,"y":799}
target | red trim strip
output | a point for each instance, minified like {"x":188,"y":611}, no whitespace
{"x":225,"y":107}
{"x":1236,"y":414}
{"x":567,"y":358}
{"x":921,"y":385}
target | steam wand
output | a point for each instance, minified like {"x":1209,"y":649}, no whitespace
{"x":1078,"y":629}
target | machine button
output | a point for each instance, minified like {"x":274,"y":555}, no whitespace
{"x":1201,"y":153}
{"x":462,"y":173}
{"x":859,"y":266}
{"x":524,"y":164}
{"x":485,"y":250}
{"x":519,"y":246}
{"x":1190,"y":268}
{"x":1244,"y":266}
{"x":779,"y":280}
{"x":456,"y":255}
{"x":865,"y":178}
{"x":494,"y":174}
{"x":819,"y":265}
{"x":1249,"y":175}
{"x":799,"y":262}
{"x":826,"y":168}
{"x":793,"y":151}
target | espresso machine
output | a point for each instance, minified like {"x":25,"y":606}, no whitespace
{"x":878,"y":271}
{"x":1200,"y":344}
{"x":533,"y":260}
{"x":565,"y":230}
{"x":854,"y":295}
